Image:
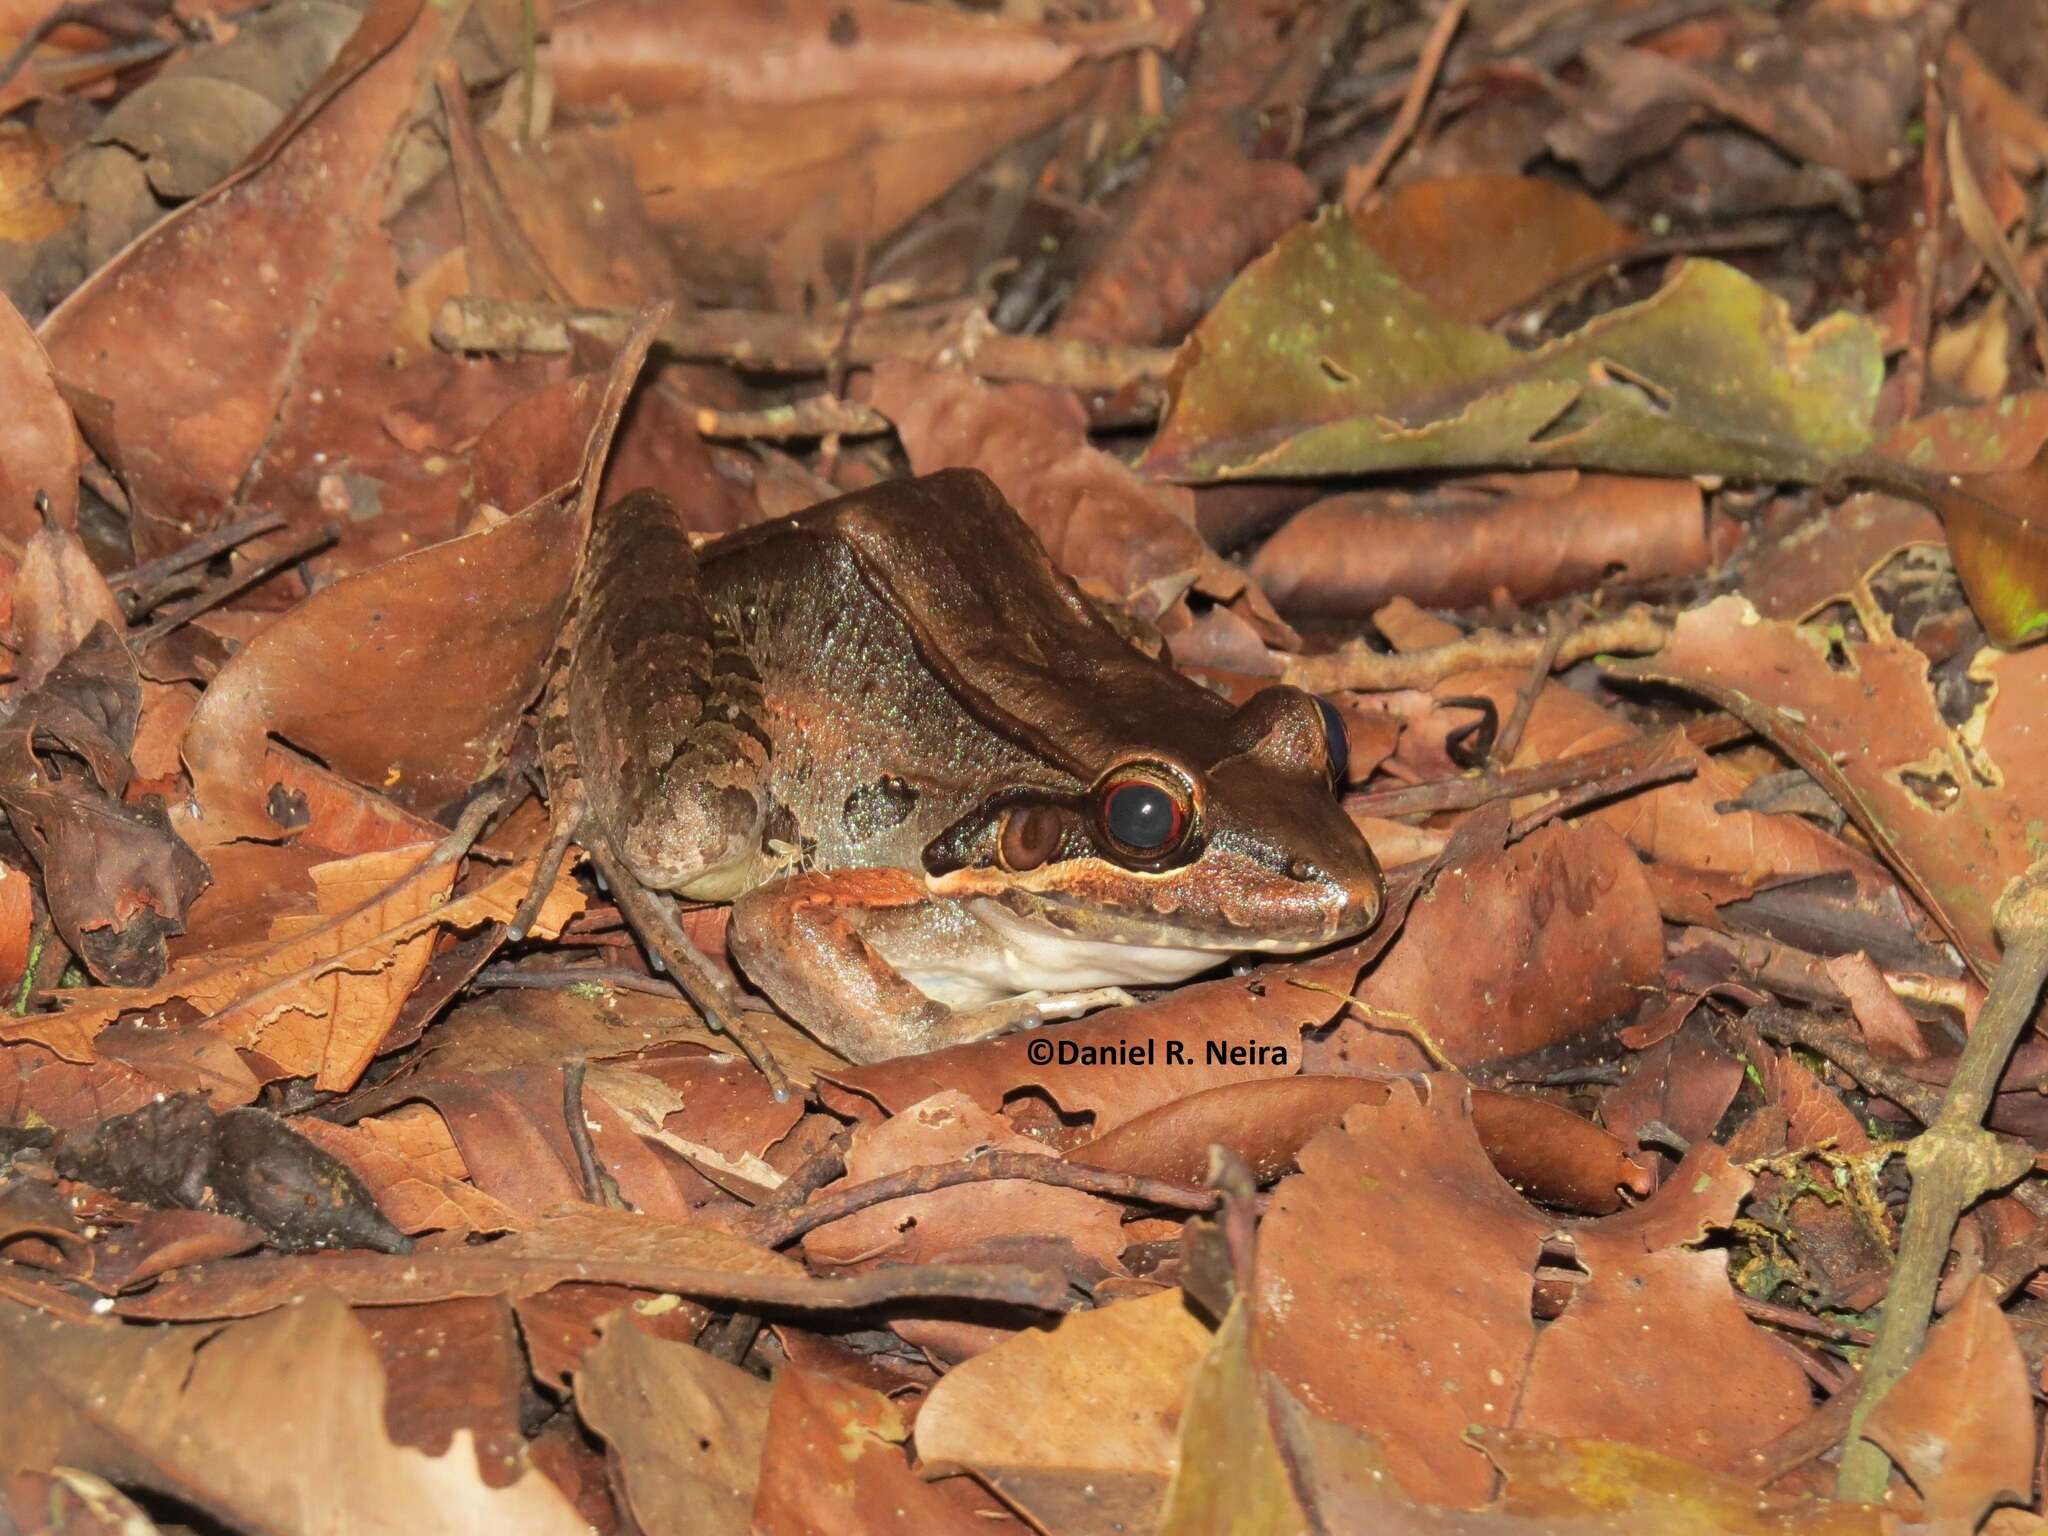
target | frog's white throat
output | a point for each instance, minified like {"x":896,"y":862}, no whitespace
{"x":1026,"y":956}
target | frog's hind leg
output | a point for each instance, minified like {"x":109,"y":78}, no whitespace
{"x":654,"y":758}
{"x":663,"y":709}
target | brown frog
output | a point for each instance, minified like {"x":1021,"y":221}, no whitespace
{"x":945,"y":797}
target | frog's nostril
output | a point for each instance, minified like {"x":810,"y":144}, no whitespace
{"x":1305,"y":871}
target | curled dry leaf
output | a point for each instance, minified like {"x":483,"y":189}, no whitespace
{"x":1210,"y":201}
{"x":1833,"y":87}
{"x":1510,"y":950}
{"x":1320,"y":361}
{"x":180,"y":393}
{"x":1085,"y":1418}
{"x":685,"y":1430}
{"x":438,"y":675}
{"x":1681,"y":825}
{"x":1960,"y":1423}
{"x":197,"y":1414}
{"x":117,"y":878}
{"x":1529,"y":538}
{"x":1114,"y":533}
{"x":38,"y":443}
{"x":1949,"y":808}
{"x":1477,"y":246}
{"x":319,"y":996}
{"x":59,"y":595}
{"x":1336,"y":1257}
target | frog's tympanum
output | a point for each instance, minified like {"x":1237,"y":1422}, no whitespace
{"x":945,"y":796}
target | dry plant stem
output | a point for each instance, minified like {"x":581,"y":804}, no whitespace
{"x":148,"y":574}
{"x":1572,"y":801}
{"x":1470,"y":790}
{"x":812,"y":416}
{"x":773,"y":1228}
{"x":1954,"y":1163}
{"x":789,"y":344}
{"x":1792,"y":1320}
{"x":599,"y":1187}
{"x":1509,"y":740}
{"x":1358,"y":188}
{"x":1358,"y":668}
{"x":1927,"y":254}
{"x":618,"y":979}
{"x":258,"y":571}
{"x":1838,"y":1044}
{"x":698,"y":979}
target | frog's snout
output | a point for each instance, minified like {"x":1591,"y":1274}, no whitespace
{"x":1358,"y":890}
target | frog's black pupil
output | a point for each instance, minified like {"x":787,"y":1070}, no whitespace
{"x":1336,"y":745}
{"x":1141,"y":816}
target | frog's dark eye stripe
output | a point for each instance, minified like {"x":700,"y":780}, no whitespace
{"x":1142,"y":816}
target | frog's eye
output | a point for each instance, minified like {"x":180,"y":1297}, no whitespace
{"x":1336,"y":745}
{"x":1142,"y":816}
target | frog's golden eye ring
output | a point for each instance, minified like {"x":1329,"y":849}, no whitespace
{"x":1143,"y":817}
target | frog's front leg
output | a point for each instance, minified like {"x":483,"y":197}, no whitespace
{"x":810,"y":942}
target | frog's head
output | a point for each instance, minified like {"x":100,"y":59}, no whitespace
{"x":1211,"y":832}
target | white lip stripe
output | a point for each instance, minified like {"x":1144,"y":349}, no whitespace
{"x":1028,"y":957}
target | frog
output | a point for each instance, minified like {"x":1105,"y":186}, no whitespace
{"x":943,"y":794}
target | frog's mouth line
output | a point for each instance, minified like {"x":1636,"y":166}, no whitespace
{"x":1056,"y":916}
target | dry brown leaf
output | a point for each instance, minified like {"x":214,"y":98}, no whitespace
{"x":155,"y":1409}
{"x":321,"y":995}
{"x":1090,"y":1411}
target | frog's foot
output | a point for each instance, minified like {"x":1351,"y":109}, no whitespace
{"x":654,"y":920}
{"x":1028,"y":1010}
{"x":570,"y":812}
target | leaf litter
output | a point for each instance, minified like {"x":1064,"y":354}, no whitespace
{"x":1630,"y":421}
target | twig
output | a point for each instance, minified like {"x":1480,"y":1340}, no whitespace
{"x":1357,"y":667}
{"x":1475,"y":789}
{"x":1792,"y":1320}
{"x":773,"y":1228}
{"x":812,"y":416}
{"x":1627,"y":782}
{"x":1839,"y":1045}
{"x":619,"y":980}
{"x":599,"y":1187}
{"x":179,"y":614}
{"x":1954,"y":1163}
{"x":1927,"y":253}
{"x":790,"y":344}
{"x":141,"y":578}
{"x":1556,"y":632}
{"x":1359,"y":187}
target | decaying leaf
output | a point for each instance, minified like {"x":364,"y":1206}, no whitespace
{"x":1320,"y":361}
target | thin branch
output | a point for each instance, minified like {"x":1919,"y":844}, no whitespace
{"x":772,"y":1229}
{"x":1356,"y":667}
{"x":1357,"y":188}
{"x":1954,"y":1163}
{"x":776,"y":343}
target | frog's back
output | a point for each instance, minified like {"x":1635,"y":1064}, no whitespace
{"x":872,"y":754}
